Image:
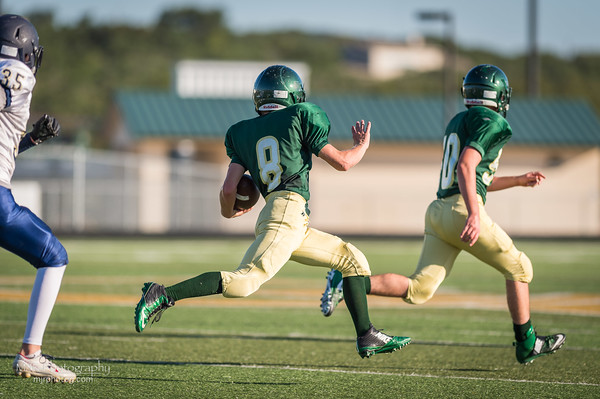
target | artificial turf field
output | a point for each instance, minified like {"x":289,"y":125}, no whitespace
{"x":276,"y":343}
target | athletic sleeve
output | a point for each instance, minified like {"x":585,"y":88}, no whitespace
{"x":16,"y":86}
{"x":486,"y":129}
{"x":4,"y":97}
{"x":316,"y":127}
{"x":230,"y":148}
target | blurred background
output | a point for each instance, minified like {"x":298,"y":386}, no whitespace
{"x":145,"y":91}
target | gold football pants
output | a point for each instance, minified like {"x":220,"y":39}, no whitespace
{"x":282,"y":234}
{"x":444,"y":221}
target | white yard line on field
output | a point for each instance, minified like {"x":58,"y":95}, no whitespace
{"x":327,"y":370}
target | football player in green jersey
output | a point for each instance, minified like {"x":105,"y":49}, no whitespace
{"x":276,"y":148}
{"x":457,"y":221}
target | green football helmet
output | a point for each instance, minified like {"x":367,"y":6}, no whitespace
{"x":277,"y":87}
{"x":487,"y":85}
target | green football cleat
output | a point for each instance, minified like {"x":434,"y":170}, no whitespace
{"x":154,"y":301}
{"x":334,"y":292}
{"x":535,"y":346}
{"x":374,"y":342}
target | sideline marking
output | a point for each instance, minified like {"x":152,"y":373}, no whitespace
{"x":555,"y":303}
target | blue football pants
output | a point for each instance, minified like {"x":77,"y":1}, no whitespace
{"x":26,"y":235}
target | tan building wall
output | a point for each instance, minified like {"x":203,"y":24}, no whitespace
{"x":387,"y":196}
{"x":388,"y":192}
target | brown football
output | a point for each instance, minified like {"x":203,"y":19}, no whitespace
{"x":247,"y":193}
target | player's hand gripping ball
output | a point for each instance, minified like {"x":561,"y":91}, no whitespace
{"x":247,"y":193}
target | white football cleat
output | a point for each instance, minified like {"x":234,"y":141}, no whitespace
{"x":41,"y":366}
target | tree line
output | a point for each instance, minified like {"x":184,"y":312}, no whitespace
{"x":85,"y":63}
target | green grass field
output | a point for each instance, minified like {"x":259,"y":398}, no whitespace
{"x":276,"y":343}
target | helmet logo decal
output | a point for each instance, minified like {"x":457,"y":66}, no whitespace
{"x":9,"y":51}
{"x":475,"y":101}
{"x":280,"y":93}
{"x":271,"y":107}
{"x":489,"y":94}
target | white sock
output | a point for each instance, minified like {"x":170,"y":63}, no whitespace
{"x":34,"y":354}
{"x":43,"y":296}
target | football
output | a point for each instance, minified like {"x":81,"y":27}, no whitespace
{"x":247,"y":193}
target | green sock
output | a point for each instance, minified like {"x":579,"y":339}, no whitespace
{"x":356,"y":301}
{"x":202,"y":285}
{"x":521,"y":331}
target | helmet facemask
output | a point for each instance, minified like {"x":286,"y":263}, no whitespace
{"x":36,"y":63}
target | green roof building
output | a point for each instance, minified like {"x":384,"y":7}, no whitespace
{"x":387,"y":193}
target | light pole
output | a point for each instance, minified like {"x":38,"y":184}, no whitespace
{"x":533,"y":62}
{"x":449,"y":71}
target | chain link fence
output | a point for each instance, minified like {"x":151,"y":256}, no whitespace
{"x":78,"y":190}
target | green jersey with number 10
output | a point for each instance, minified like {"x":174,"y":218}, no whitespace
{"x":277,"y":148}
{"x":486,"y":131}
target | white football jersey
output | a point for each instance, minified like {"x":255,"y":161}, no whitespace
{"x":16,"y":86}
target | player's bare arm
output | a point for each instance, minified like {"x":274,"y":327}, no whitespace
{"x":529,"y":179}
{"x":346,"y":159}
{"x":466,"y":172}
{"x":228,"y":191}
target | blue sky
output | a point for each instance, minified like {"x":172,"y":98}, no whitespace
{"x":564,"y":27}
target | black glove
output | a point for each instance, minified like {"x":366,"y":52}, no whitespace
{"x":45,"y":128}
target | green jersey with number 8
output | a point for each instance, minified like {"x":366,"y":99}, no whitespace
{"x":480,"y":128}
{"x":277,"y":148}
